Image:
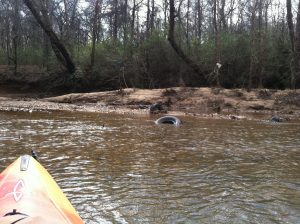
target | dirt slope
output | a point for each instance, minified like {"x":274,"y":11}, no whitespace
{"x":181,"y":101}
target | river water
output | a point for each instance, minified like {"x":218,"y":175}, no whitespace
{"x":122,"y":169}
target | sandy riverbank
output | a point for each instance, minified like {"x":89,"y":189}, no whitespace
{"x":181,"y":101}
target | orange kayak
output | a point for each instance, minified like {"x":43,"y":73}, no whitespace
{"x":28,"y":194}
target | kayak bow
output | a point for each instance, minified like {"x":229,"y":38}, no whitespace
{"x":28,"y":194}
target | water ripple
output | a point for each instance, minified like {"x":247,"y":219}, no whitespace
{"x":118,"y":169}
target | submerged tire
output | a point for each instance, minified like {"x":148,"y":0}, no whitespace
{"x":276,"y":119}
{"x":157,"y":107}
{"x":169,"y":120}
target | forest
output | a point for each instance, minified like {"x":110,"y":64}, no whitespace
{"x":111,"y":44}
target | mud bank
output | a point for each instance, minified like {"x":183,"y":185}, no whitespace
{"x":203,"y":102}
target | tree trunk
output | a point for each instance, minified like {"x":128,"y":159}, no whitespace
{"x":297,"y":48}
{"x":260,"y":44}
{"x":165,"y":17}
{"x":66,"y":24}
{"x":46,"y":50}
{"x":73,"y":15}
{"x":148,"y":19}
{"x":133,"y":22}
{"x":94,"y":34}
{"x":217,"y":43}
{"x":253,"y":50}
{"x":199,"y":19}
{"x":115,"y":23}
{"x":177,"y":49}
{"x":71,"y":29}
{"x":125,"y":26}
{"x":231,"y":14}
{"x":46,"y":45}
{"x":16,"y":35}
{"x":152,"y":16}
{"x":57,"y":46}
{"x":188,"y":24}
{"x":8,"y":37}
{"x":290,"y":23}
{"x":223,"y":16}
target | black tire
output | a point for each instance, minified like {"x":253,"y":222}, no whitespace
{"x":169,"y":120}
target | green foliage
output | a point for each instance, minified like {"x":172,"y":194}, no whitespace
{"x":235,"y":59}
{"x":278,"y":63}
{"x":153,"y":63}
{"x":107,"y":67}
{"x":133,"y":50}
{"x":30,"y":56}
{"x":81,"y":55}
{"x":3,"y":57}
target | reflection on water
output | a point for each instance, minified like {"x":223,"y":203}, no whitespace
{"x":118,"y":169}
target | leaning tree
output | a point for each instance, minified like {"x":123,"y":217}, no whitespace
{"x":40,"y":13}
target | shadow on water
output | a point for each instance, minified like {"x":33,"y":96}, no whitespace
{"x":118,"y":169}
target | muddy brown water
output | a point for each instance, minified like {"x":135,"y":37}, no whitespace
{"x":122,"y":169}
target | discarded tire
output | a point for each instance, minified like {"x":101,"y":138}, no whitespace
{"x":276,"y":118}
{"x":168,"y":120}
{"x":157,"y":108}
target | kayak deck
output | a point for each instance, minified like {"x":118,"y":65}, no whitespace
{"x":28,"y":193}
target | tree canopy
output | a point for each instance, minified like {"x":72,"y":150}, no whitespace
{"x":156,"y":43}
